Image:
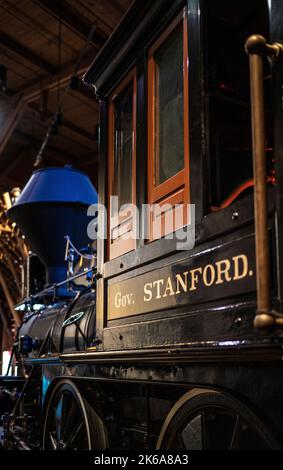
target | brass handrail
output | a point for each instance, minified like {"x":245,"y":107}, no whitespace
{"x":257,"y":47}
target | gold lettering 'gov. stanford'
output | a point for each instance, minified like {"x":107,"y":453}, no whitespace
{"x":220,"y":272}
{"x":203,"y":278}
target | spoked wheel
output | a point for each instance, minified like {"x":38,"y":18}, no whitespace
{"x":70,"y":422}
{"x":214,"y":421}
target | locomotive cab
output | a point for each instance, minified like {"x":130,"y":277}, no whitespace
{"x":176,"y":144}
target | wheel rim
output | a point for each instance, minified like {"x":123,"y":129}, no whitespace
{"x":66,"y":424}
{"x":216,"y":422}
{"x":217,"y":429}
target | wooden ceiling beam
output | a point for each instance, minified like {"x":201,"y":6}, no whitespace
{"x":9,"y":299}
{"x":86,"y":98}
{"x":118,"y":7}
{"x":6,"y":328}
{"x":29,"y":138}
{"x":32,"y":90}
{"x":30,"y":94}
{"x":11,"y":121}
{"x":13,"y":45}
{"x":68,"y":124}
{"x":72,"y":19}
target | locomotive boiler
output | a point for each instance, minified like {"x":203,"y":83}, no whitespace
{"x":150,"y":342}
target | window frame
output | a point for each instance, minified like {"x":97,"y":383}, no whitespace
{"x":120,"y":247}
{"x":181,"y":179}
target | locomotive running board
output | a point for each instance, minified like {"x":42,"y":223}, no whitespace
{"x":218,"y":352}
{"x":257,"y":48}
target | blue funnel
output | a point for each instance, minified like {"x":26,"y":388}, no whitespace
{"x":54,"y":204}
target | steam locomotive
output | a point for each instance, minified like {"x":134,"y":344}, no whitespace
{"x":140,"y":344}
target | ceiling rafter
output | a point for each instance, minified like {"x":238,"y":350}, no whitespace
{"x":31,"y":91}
{"x":68,"y":124}
{"x":30,"y":138}
{"x":9,"y":298}
{"x":13,"y":45}
{"x":32,"y":23}
{"x":72,"y":20}
{"x":118,"y":7}
{"x":11,"y":121}
{"x":47,"y":77}
{"x":6,"y":326}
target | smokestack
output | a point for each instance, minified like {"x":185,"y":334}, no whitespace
{"x":52,"y":205}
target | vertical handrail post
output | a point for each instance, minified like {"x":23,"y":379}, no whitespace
{"x":256,"y":47}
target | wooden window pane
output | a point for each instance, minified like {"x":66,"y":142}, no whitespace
{"x":169,"y":107}
{"x":121,"y":171}
{"x":123,"y":147}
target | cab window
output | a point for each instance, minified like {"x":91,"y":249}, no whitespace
{"x":228,"y":98}
{"x":168,"y":152}
{"x":122,"y":155}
